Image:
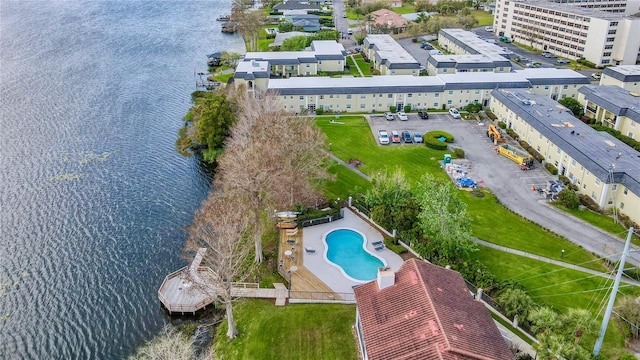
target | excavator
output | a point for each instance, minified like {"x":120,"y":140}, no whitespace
{"x":495,"y":135}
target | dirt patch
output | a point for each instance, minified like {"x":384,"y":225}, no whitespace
{"x":355,"y":163}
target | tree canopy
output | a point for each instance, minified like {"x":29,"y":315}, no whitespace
{"x":574,"y":105}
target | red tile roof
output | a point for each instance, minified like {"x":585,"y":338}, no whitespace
{"x":427,"y":314}
{"x":388,"y":18}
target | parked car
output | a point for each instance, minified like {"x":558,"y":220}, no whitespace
{"x":388,"y":116}
{"x":395,"y":137}
{"x":488,"y":28}
{"x":533,"y":64}
{"x":406,"y":137}
{"x":548,"y":55}
{"x":423,"y":114}
{"x":507,"y":50}
{"x":596,"y":76}
{"x":455,"y":113}
{"x":417,"y":137}
{"x":402,"y":116}
{"x":563,"y":61}
{"x":383,"y":137}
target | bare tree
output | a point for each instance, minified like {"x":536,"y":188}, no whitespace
{"x":248,"y":22}
{"x":169,"y":344}
{"x":273,"y":159}
{"x":220,"y":226}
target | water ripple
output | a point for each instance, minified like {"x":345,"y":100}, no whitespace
{"x":93,"y":197}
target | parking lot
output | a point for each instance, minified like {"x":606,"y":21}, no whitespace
{"x":511,"y":185}
{"x":497,"y":172}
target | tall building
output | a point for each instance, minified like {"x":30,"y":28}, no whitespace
{"x":601,"y":37}
{"x":628,"y":7}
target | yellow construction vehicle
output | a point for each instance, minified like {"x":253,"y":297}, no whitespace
{"x":520,"y":157}
{"x":495,"y":134}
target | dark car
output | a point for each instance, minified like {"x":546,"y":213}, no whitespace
{"x":423,"y":114}
{"x":406,"y":136}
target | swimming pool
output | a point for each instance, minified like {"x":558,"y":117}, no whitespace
{"x":346,"y":250}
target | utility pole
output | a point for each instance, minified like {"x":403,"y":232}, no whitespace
{"x":612,"y":297}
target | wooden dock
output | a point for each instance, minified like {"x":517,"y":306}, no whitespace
{"x":187,"y":290}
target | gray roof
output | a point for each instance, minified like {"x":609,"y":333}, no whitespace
{"x":438,"y":83}
{"x":321,"y":50}
{"x":596,"y":151}
{"x":614,"y":99}
{"x":390,"y":53}
{"x":624,"y":73}
{"x":471,"y":43}
{"x":468,"y":61}
{"x":295,"y":5}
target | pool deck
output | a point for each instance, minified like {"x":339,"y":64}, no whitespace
{"x":326,"y":273}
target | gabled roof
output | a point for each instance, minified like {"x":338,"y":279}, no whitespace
{"x":295,"y":5}
{"x":386,"y":17}
{"x":427,"y":314}
{"x":624,"y":73}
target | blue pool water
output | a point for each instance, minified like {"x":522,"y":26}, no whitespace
{"x":345,"y":249}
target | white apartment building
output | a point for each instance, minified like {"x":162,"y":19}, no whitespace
{"x":602,"y":166}
{"x":451,"y":64}
{"x":624,"y":76}
{"x":601,"y":37}
{"x":379,"y":94}
{"x":463,"y":42}
{"x":614,"y":107}
{"x":389,"y":57}
{"x":627,"y":7}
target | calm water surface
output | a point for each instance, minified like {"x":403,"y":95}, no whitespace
{"x":93,"y":197}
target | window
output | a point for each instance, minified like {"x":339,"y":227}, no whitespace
{"x":363,"y":96}
{"x":450,"y":92}
{"x":614,"y":187}
{"x":390,"y":96}
{"x":625,"y":192}
{"x":361,"y":106}
{"x":597,"y":182}
{"x":330,"y":96}
{"x":611,"y":32}
{"x":348,"y":96}
{"x":573,"y":162}
{"x":301,"y":97}
{"x":621,"y":205}
{"x":606,"y":54}
{"x":435,"y":104}
{"x":437,"y":94}
{"x":593,"y":195}
{"x":348,"y":106}
{"x":449,"y":102}
{"x":321,"y":97}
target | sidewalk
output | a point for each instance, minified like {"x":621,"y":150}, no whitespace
{"x":554,"y":262}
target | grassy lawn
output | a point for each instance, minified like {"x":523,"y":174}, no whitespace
{"x":364,"y":66}
{"x":352,"y":66}
{"x":484,"y":18}
{"x":603,"y":222}
{"x":491,"y":222}
{"x":354,"y":140}
{"x":405,"y":9}
{"x":568,"y":289}
{"x":223,"y":78}
{"x":346,"y":183}
{"x":527,"y":47}
{"x":298,"y":331}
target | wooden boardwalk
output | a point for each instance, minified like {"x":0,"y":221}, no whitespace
{"x":187,"y":290}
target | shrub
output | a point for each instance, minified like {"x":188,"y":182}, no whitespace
{"x":319,"y":111}
{"x":586,"y":62}
{"x":511,"y":133}
{"x":458,"y":153}
{"x":502,"y":124}
{"x":392,"y":109}
{"x":492,"y":116}
{"x":431,"y":139}
{"x":569,"y":199}
{"x":552,"y":169}
{"x":407,"y":108}
{"x":590,"y":203}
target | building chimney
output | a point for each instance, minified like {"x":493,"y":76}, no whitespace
{"x":386,"y":277}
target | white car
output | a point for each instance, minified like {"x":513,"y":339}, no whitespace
{"x":488,"y":28}
{"x":388,"y":116}
{"x":383,"y":137}
{"x":455,"y":113}
{"x":402,"y":115}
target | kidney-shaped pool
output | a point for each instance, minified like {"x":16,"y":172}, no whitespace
{"x":346,"y":250}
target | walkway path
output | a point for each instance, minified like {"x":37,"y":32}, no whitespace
{"x":356,"y":64}
{"x":552,"y":261}
{"x":350,"y":167}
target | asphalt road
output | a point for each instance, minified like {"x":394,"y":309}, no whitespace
{"x":511,"y":185}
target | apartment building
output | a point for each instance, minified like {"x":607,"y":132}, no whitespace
{"x":601,"y":37}
{"x":462,"y":42}
{"x":628,"y":7}
{"x":624,"y":76}
{"x":371,"y":94}
{"x":389,"y":57}
{"x":324,"y":56}
{"x":602,"y":166}
{"x":451,"y":64}
{"x":614,"y":107}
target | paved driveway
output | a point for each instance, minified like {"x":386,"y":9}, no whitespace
{"x":511,"y":185}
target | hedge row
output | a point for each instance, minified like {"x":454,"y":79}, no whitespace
{"x":536,"y":155}
{"x":618,"y":135}
{"x":431,"y":139}
{"x":552,"y":169}
{"x":512,"y":133}
{"x":490,"y":114}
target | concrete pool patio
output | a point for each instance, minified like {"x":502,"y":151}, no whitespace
{"x":332,"y":277}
